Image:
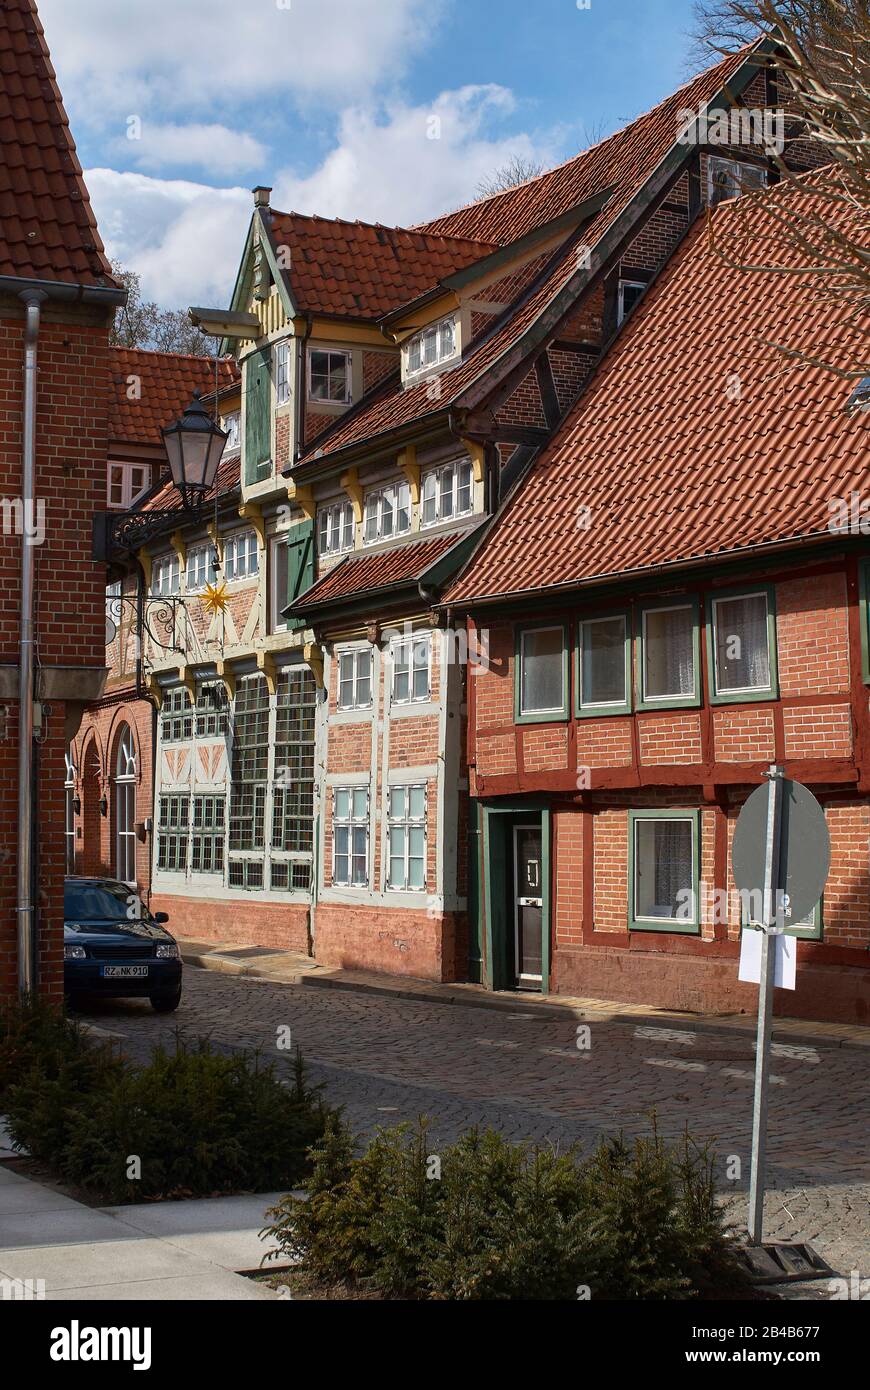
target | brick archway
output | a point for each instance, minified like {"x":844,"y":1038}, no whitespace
{"x":91,"y":860}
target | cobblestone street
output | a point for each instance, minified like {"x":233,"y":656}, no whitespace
{"x":386,"y":1060}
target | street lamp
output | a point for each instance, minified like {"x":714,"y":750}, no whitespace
{"x":194,"y":445}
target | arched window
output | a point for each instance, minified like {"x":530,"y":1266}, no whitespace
{"x":125,"y":808}
{"x":70,"y":827}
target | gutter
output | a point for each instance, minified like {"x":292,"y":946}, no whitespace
{"x":55,"y":289}
{"x":24,"y":909}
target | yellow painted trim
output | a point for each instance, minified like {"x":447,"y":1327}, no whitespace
{"x":147,"y":562}
{"x":228,"y":677}
{"x":411,"y":469}
{"x":177,"y":541}
{"x":155,"y":690}
{"x":303,"y":497}
{"x":252,"y":512}
{"x":188,"y":680}
{"x":266,"y":664}
{"x":353,"y":487}
{"x":313,"y":655}
{"x":425,"y":314}
{"x":477,"y":454}
{"x":329,"y":331}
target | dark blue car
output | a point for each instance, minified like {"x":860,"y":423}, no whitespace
{"x":112,"y":945}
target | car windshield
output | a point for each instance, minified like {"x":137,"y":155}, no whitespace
{"x":100,"y":902}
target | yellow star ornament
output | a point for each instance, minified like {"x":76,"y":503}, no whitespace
{"x":214,"y":598}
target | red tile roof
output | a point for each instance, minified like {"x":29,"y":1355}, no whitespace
{"x":386,"y":568}
{"x":361,"y":270}
{"x":166,"y":383}
{"x":616,"y":161}
{"x":622,"y":163}
{"x":47,"y":227}
{"x":672,"y":464}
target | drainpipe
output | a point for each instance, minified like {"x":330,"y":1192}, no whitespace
{"x":26,"y":908}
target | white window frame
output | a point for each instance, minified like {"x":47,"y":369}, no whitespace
{"x":406,"y":822}
{"x":192,"y":561}
{"x":456,"y":467}
{"x":128,"y":496}
{"x":442,"y":355}
{"x":166,"y":568}
{"x":276,"y":622}
{"x":339,"y":520}
{"x":623,"y":286}
{"x":232,"y":423}
{"x":399,"y":663}
{"x":69,"y":785}
{"x":355,"y":657}
{"x":281,"y":371}
{"x":351,"y":823}
{"x":242,"y":543}
{"x":749,"y":691}
{"x":737,"y":166}
{"x":399,"y":493}
{"x":125,"y":807}
{"x":665,"y":923}
{"x":348,"y":379}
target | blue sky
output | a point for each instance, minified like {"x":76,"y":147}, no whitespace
{"x":387,"y":110}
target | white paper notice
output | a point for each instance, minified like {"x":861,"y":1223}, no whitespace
{"x":785,"y":960}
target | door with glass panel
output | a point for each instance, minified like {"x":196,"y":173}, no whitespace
{"x":528,"y":907}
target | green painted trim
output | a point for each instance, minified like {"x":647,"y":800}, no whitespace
{"x":620,"y":707}
{"x":678,"y":701}
{"x":864,"y":609}
{"x":813,"y":933}
{"x":546,"y":908}
{"x":543,"y":716}
{"x":692,"y":928}
{"x":743,"y":697}
{"x":495,"y":926}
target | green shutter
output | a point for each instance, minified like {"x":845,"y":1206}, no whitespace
{"x":300,"y":565}
{"x":258,"y":415}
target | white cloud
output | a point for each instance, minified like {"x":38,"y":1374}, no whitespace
{"x":213,"y":148}
{"x":186,"y":239}
{"x":119,"y":57}
{"x":407,"y":163}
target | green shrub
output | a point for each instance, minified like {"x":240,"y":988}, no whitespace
{"x":508,"y":1221}
{"x":199,"y":1121}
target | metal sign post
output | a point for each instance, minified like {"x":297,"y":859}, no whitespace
{"x":773,"y":924}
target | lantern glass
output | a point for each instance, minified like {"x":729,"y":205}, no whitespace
{"x":194,"y":446}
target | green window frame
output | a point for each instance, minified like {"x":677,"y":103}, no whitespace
{"x":636,"y":922}
{"x":547,"y":716}
{"x":747,"y":695}
{"x":597,"y":711}
{"x":688,"y":701}
{"x":806,"y":931}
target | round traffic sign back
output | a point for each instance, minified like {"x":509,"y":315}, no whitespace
{"x":804,"y":853}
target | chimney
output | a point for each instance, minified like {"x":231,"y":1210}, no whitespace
{"x":262,"y":196}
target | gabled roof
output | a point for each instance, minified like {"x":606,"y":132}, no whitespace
{"x":695,"y":437}
{"x":47,"y":227}
{"x":624,"y":163}
{"x":164,"y":385}
{"x":361,"y":270}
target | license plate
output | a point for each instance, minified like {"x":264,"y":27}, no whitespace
{"x":124,"y":972}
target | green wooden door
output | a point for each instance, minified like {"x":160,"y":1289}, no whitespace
{"x":258,"y":415}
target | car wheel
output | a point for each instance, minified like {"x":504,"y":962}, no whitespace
{"x":165,"y":1003}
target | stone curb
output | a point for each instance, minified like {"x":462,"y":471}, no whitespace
{"x":784,"y":1031}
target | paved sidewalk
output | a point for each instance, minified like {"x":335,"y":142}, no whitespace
{"x":155,"y":1251}
{"x":294,"y":968}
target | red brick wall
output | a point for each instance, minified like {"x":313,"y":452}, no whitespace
{"x":71,"y":452}
{"x":95,"y":753}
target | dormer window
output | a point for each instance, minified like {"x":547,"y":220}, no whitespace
{"x":429,"y":348}
{"x":387,"y":513}
{"x":232,"y":423}
{"x":728,"y":178}
{"x":447,"y":492}
{"x":329,"y":376}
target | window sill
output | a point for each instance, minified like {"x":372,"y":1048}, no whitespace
{"x":674,"y":928}
{"x":556,"y":717}
{"x":604,"y":711}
